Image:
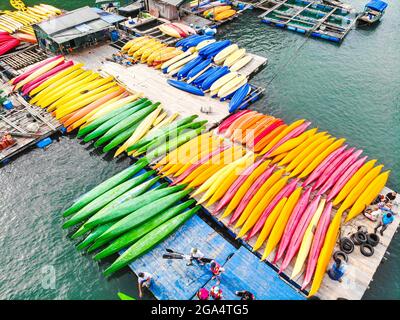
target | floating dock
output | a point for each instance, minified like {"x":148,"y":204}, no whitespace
{"x":174,"y":280}
{"x":360,"y":270}
{"x":17,"y":122}
{"x":153,"y":83}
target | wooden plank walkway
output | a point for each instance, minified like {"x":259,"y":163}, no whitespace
{"x":360,"y":269}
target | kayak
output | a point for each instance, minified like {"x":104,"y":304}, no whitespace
{"x":234,"y":57}
{"x":355,"y":179}
{"x":299,"y":232}
{"x":317,"y":243}
{"x":242,"y":62}
{"x":279,"y":227}
{"x":307,"y":240}
{"x":185,"y":87}
{"x":294,"y":219}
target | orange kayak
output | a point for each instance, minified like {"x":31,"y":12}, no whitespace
{"x":84,"y":111}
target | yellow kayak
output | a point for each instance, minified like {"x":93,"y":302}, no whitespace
{"x":280,"y":224}
{"x":296,"y":161}
{"x":39,"y":72}
{"x":314,"y":154}
{"x":299,"y":149}
{"x":368,"y":195}
{"x":141,"y":130}
{"x":307,"y":240}
{"x":221,"y":56}
{"x":239,"y":64}
{"x":355,"y":194}
{"x":259,"y":208}
{"x":55,"y":78}
{"x":177,"y":58}
{"x":326,"y":253}
{"x":259,"y":195}
{"x":222,"y":81}
{"x":234,"y":57}
{"x":354,"y":180}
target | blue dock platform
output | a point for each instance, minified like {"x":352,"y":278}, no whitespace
{"x":174,"y":280}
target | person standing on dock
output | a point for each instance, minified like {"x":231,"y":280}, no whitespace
{"x":387,"y":218}
{"x":390,"y":197}
{"x":216,"y":270}
{"x":338,"y":269}
{"x":216,"y":292}
{"x":144,"y":280}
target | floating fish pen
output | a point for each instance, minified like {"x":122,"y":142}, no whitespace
{"x":310,"y":18}
{"x":28,"y":125}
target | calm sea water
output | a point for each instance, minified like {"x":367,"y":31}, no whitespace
{"x":351,"y":90}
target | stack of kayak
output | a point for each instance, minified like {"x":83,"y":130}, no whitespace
{"x":7,"y":42}
{"x":219,"y":12}
{"x":12,"y":21}
{"x":150,"y":50}
{"x":275,"y":196}
{"x":200,"y":64}
{"x":130,"y":211}
{"x":176,"y":30}
{"x":103,"y":111}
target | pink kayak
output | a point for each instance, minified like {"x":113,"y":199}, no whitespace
{"x":27,"y":88}
{"x":285,"y":192}
{"x":236,"y":185}
{"x":266,"y":131}
{"x":197,"y":164}
{"x":298,"y":233}
{"x":251,"y":192}
{"x":225,"y":124}
{"x":292,"y":134}
{"x":345,"y":177}
{"x":32,"y":69}
{"x":331,"y":168}
{"x":294,"y":219}
{"x":318,"y":241}
{"x":63,"y":65}
{"x":323,"y":165}
{"x":335,"y":176}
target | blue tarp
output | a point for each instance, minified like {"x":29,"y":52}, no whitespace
{"x":173,"y":279}
{"x":377,"y":5}
{"x":244,"y":271}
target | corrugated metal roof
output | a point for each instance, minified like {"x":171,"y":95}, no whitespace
{"x":80,"y":31}
{"x":108,"y":17}
{"x":175,"y":3}
{"x":69,"y":20}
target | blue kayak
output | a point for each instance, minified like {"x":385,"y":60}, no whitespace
{"x":214,"y":77}
{"x":185,"y":87}
{"x":239,"y":97}
{"x":198,"y":82}
{"x":200,"y":67}
{"x":182,"y":73}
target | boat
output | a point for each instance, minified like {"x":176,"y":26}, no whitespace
{"x":373,"y":12}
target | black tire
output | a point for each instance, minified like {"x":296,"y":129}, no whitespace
{"x":346,"y":245}
{"x":358,"y":238}
{"x":372,"y":239}
{"x":340,"y":255}
{"x":366,"y":249}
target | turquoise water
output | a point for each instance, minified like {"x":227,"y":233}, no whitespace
{"x":351,"y":90}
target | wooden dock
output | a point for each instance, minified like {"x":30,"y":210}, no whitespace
{"x":19,"y":120}
{"x":360,"y":269}
{"x":153,"y":83}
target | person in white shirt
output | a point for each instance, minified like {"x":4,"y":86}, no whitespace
{"x":195,"y":254}
{"x":144,"y":280}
